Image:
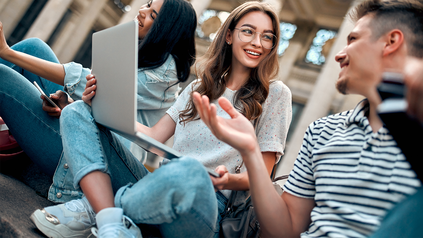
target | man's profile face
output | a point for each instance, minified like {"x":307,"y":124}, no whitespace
{"x":360,"y":60}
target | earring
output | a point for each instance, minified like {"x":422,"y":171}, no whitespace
{"x":228,"y":42}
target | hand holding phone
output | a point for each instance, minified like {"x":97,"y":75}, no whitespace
{"x":393,"y":112}
{"x":212,"y":173}
{"x":45,"y":96}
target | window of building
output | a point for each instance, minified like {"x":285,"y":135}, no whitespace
{"x":297,"y":110}
{"x":122,"y":5}
{"x":26,"y":22}
{"x":315,"y":54}
{"x":209,"y":22}
{"x":55,"y":34}
{"x":287,"y":32}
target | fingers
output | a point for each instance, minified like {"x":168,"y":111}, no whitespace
{"x":207,"y":112}
{"x":52,"y":111}
{"x":90,"y":88}
{"x":88,"y":98}
{"x":226,"y":105}
{"x":89,"y":77}
{"x":221,"y":170}
{"x":219,"y":183}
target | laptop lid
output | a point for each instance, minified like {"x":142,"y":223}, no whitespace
{"x":114,"y":64}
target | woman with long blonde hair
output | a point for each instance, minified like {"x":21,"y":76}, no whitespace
{"x":180,"y":196}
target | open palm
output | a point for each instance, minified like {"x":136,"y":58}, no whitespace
{"x":238,"y":131}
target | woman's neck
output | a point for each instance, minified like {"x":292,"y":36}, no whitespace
{"x":237,"y":76}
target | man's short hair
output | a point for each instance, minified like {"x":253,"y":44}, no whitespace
{"x":405,"y":15}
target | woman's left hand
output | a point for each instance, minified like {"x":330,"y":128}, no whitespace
{"x":222,"y":181}
{"x":90,"y":87}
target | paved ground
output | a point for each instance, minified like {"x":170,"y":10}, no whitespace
{"x":23,"y":188}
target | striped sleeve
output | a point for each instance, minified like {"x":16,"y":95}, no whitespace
{"x":301,"y":182}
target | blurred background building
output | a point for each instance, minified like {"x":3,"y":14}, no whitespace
{"x":312,"y":32}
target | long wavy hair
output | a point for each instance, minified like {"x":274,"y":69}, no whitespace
{"x":217,"y":61}
{"x":172,"y":33}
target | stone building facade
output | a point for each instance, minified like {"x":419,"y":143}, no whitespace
{"x":313,"y":31}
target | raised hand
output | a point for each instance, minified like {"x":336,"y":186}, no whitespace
{"x":414,"y":80}
{"x":238,"y":131}
{"x":90,"y":87}
{"x":3,"y":44}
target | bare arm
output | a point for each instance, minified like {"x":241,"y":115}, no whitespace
{"x":161,"y":131}
{"x":51,"y":71}
{"x":279,"y":216}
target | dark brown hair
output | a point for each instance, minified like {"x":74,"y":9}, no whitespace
{"x":407,"y":16}
{"x":217,"y":60}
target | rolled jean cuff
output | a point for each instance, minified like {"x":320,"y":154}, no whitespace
{"x":120,"y":193}
{"x":88,"y":169}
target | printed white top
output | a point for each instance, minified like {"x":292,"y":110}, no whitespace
{"x":195,"y":140}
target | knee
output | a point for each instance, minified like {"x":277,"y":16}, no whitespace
{"x":188,"y":172}
{"x":28,"y":44}
{"x":75,"y":112}
{"x":3,"y":69}
{"x":6,"y":75}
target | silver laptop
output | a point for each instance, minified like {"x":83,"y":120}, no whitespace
{"x":114,"y":64}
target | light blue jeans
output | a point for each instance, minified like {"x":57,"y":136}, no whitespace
{"x":179,"y":196}
{"x":37,"y":133}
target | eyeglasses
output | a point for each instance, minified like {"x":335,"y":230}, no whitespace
{"x":247,"y":34}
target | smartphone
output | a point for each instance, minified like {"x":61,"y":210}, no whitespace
{"x":405,"y":129}
{"x":45,"y":96}
{"x":213,"y":173}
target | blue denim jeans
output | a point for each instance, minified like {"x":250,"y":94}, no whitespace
{"x":179,"y":196}
{"x":36,"y":132}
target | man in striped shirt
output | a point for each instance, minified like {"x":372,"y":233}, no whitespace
{"x":349,"y":171}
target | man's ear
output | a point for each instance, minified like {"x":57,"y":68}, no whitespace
{"x":394,"y":40}
{"x":229,"y":37}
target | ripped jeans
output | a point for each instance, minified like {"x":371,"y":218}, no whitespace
{"x":179,"y":196}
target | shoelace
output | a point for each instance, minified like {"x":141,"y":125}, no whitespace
{"x":75,"y":206}
{"x":111,"y":231}
{"x":79,"y":206}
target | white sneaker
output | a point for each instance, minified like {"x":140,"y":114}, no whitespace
{"x":112,"y":223}
{"x":73,"y":219}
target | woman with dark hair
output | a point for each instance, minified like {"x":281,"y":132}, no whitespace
{"x":162,"y":64}
{"x":166,"y":53}
{"x":180,"y":196}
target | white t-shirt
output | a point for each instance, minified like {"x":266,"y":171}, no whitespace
{"x":195,"y":140}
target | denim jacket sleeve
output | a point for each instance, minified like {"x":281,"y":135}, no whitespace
{"x":157,"y":88}
{"x":75,"y":80}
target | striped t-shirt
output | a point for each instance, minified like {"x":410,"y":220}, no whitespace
{"x":353,"y":174}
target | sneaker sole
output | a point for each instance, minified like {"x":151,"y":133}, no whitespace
{"x":56,"y":231}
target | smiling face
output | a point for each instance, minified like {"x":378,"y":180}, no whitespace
{"x":146,"y":16}
{"x":360,"y":61}
{"x":250,"y":54}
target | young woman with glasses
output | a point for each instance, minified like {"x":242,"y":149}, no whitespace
{"x":180,"y":197}
{"x":166,"y":53}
